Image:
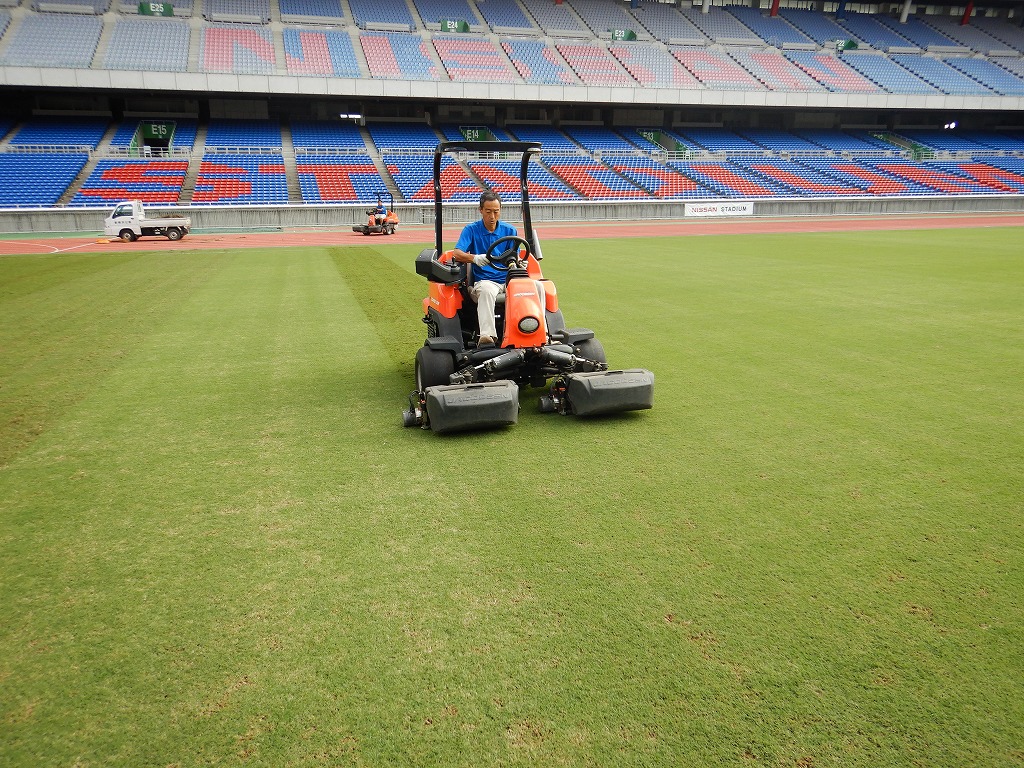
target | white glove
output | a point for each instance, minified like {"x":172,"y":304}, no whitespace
{"x":479,"y":260}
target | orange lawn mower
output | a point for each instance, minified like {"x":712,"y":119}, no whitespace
{"x":463,"y":385}
{"x":381,"y":219}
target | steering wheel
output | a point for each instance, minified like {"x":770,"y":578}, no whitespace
{"x":509,"y":255}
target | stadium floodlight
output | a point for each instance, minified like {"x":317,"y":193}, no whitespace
{"x":354,"y":116}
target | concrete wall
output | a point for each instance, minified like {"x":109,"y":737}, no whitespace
{"x":89,"y":221}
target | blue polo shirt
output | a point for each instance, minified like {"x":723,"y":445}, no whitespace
{"x":476,"y":239}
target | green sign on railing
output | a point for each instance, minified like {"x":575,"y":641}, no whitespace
{"x":623,"y":34}
{"x":162,"y":131}
{"x":476,"y":133}
{"x":156,"y":9}
{"x":448,"y":25}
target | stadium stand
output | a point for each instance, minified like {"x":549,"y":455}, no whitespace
{"x":324,"y":53}
{"x":969,"y":35}
{"x":555,"y":19}
{"x":944,"y":141}
{"x":474,"y":59}
{"x":870,"y":31}
{"x":400,"y":55}
{"x":799,"y":179}
{"x":537,"y":62}
{"x":240,"y":180}
{"x":319,"y":135}
{"x":594,"y":65}
{"x":933,"y":178}
{"x":941,"y":75}
{"x":886,"y":73}
{"x":651,"y":65}
{"x":238,"y":49}
{"x":245,"y":11}
{"x":872,"y":181}
{"x":603,"y":17}
{"x":144,"y":45}
{"x":374,"y":15}
{"x":415,"y":138}
{"x":728,"y":180}
{"x":552,"y":140}
{"x":338,"y":178}
{"x":988,"y":173}
{"x":593,"y":179}
{"x":991,"y":75}
{"x":239,"y":135}
{"x":53,"y":40}
{"x":831,"y":72}
{"x":503,"y":177}
{"x":721,"y":26}
{"x":506,"y":16}
{"x":414,"y":177}
{"x":81,"y":133}
{"x":780,"y":141}
{"x":312,"y":11}
{"x":35,"y":178}
{"x":659,"y":180}
{"x":775,"y":71}
{"x":718,"y":140}
{"x":669,"y":26}
{"x":774,"y":30}
{"x":433,"y":12}
{"x":716,"y":70}
{"x":821,"y":28}
{"x":598,"y":139}
{"x":920,"y":34}
{"x":860,"y":142}
{"x":151,"y":181}
{"x":1004,"y":31}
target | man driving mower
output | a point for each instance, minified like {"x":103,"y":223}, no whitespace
{"x":488,"y":281}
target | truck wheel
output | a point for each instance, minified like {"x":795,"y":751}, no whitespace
{"x":127,"y":236}
{"x":433,"y":367}
{"x":174,"y":233}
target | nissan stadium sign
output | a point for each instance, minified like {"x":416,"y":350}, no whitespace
{"x":718,"y":209}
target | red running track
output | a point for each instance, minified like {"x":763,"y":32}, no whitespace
{"x":423,"y":235}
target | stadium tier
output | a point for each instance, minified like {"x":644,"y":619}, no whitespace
{"x":653,"y":66}
{"x":574,"y":43}
{"x":338,"y":178}
{"x":241,"y":180}
{"x":537,"y":62}
{"x":325,"y":53}
{"x":244,"y":162}
{"x":151,"y":181}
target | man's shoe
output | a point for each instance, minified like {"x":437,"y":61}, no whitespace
{"x":485,"y":341}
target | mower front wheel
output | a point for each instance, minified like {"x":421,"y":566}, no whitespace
{"x":591,"y":349}
{"x":433,"y":368}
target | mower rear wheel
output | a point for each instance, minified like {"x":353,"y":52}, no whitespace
{"x":433,"y":368}
{"x":591,"y":349}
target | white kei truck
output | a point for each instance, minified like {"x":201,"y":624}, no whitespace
{"x":128,"y":221}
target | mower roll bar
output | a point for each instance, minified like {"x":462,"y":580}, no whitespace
{"x":527,"y":148}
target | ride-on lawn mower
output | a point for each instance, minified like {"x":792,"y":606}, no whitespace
{"x":380,"y":222}
{"x":462,"y":385}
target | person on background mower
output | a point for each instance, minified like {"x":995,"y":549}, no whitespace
{"x":380,"y":212}
{"x":489,"y":283}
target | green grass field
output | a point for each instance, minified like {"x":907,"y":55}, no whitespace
{"x":219,"y":547}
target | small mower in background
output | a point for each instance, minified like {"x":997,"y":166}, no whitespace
{"x":381,"y":219}
{"x":461,"y":385}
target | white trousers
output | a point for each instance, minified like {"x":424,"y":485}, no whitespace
{"x":485,"y":293}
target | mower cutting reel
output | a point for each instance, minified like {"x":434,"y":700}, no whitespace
{"x":464,"y":385}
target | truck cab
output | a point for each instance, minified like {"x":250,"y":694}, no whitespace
{"x":129,"y":222}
